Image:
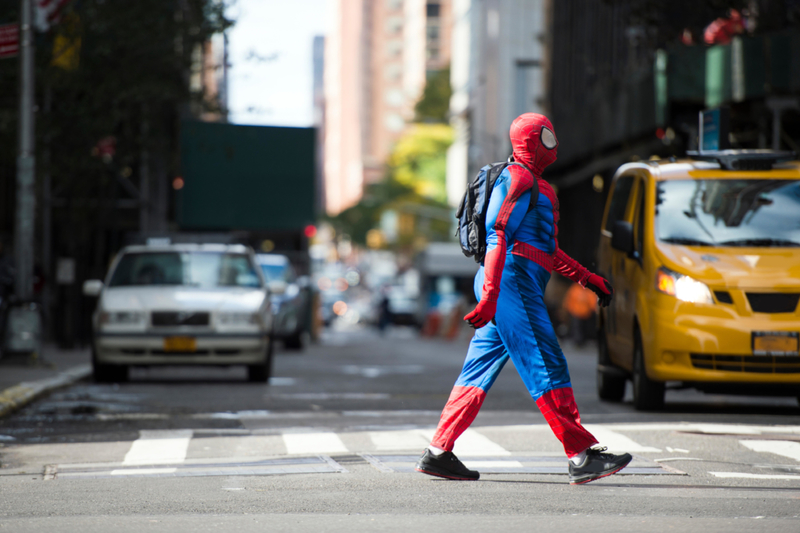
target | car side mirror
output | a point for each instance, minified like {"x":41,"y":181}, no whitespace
{"x":622,"y":237}
{"x":92,"y":287}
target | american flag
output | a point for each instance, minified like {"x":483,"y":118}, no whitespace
{"x":48,"y":13}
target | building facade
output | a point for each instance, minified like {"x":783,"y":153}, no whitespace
{"x":377,"y":58}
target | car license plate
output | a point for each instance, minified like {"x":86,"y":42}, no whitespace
{"x":180,"y":344}
{"x":775,"y":343}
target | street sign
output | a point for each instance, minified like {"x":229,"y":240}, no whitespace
{"x":9,"y":40}
{"x":714,"y":129}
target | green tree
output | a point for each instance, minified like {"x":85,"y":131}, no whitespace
{"x":434,"y":104}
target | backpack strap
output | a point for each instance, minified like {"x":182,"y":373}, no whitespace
{"x":534,"y":189}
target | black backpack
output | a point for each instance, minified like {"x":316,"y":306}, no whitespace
{"x":471,"y":213}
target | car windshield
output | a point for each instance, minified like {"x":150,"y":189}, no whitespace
{"x":729,"y":212}
{"x":195,"y":269}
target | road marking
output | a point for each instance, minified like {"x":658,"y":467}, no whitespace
{"x":679,"y":450}
{"x":492,"y":464}
{"x":298,"y":443}
{"x":410,"y":439}
{"x":778,"y":447}
{"x":617,"y":442}
{"x":754,"y":476}
{"x":158,"y":447}
{"x":142,"y":471}
{"x":472,"y":443}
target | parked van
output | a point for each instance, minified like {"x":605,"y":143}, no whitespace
{"x":705,"y":261}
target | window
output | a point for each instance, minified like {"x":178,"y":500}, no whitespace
{"x":195,"y":269}
{"x":619,"y":201}
{"x":433,"y":10}
{"x":729,"y":212}
{"x":640,"y":221}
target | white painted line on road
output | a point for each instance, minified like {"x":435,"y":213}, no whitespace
{"x":679,"y":450}
{"x":472,"y":443}
{"x":411,"y":439}
{"x":158,"y":447}
{"x":313,"y":443}
{"x":617,"y":442}
{"x":143,"y":471}
{"x":754,"y":476}
{"x":493,"y":464}
{"x":778,"y":447}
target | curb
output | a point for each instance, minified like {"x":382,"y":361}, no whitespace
{"x":22,"y":394}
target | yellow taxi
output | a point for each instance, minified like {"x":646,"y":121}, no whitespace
{"x":705,"y":262}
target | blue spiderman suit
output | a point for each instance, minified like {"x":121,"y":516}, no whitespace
{"x":511,"y":317}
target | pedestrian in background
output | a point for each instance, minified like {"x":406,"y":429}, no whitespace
{"x":581,"y":305}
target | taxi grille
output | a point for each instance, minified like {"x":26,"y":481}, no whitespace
{"x":179,"y":318}
{"x":747,"y":363}
{"x":773,"y":302}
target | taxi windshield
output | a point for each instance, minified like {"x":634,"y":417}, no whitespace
{"x":195,"y":269}
{"x":729,"y":212}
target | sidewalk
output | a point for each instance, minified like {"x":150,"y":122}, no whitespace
{"x":23,"y":380}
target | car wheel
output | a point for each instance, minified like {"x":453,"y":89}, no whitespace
{"x":294,"y":342}
{"x":610,"y":380}
{"x":108,"y":373}
{"x":261,"y":372}
{"x":648,"y":395}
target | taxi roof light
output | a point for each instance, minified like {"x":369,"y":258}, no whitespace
{"x":743,"y":159}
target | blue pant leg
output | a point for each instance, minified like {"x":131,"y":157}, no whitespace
{"x":526,"y":330}
{"x":486,"y":357}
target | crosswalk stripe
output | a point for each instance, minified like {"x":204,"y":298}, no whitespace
{"x":472,"y":443}
{"x":617,"y":442}
{"x":411,"y":439}
{"x":778,"y":447}
{"x":155,"y":447}
{"x":745,"y":475}
{"x":313,"y":443}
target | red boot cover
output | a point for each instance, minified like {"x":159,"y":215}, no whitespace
{"x":459,"y":412}
{"x":559,"y":409}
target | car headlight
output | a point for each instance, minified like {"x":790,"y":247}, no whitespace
{"x":682,"y":287}
{"x":122,"y":318}
{"x":240,"y":319}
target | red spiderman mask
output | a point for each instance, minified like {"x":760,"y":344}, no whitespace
{"x":534,"y":141}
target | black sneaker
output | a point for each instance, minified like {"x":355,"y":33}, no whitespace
{"x":445,"y":465}
{"x":596,"y":465}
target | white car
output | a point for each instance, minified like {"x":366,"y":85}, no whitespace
{"x":175,"y":304}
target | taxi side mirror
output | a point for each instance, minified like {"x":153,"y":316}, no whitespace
{"x":622,"y":237}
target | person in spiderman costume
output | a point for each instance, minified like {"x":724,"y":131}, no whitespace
{"x":511,"y":318}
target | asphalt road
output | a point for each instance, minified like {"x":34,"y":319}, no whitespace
{"x":330,"y":443}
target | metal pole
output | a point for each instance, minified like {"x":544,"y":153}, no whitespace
{"x":26,"y":161}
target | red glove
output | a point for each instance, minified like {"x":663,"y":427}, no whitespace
{"x":602,"y":288}
{"x":482,"y":314}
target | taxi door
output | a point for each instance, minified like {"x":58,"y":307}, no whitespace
{"x":625,"y":271}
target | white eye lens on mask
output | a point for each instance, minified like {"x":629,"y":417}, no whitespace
{"x":548,"y":138}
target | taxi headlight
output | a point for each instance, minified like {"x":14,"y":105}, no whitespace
{"x":122,"y":318}
{"x":240,"y":319}
{"x":682,"y":287}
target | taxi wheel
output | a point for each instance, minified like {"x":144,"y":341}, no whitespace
{"x":609,"y":386}
{"x":261,"y":373}
{"x":648,"y":395}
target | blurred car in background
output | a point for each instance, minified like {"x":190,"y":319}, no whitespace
{"x":291,"y":298}
{"x":175,"y":304}
{"x":403,"y":307}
